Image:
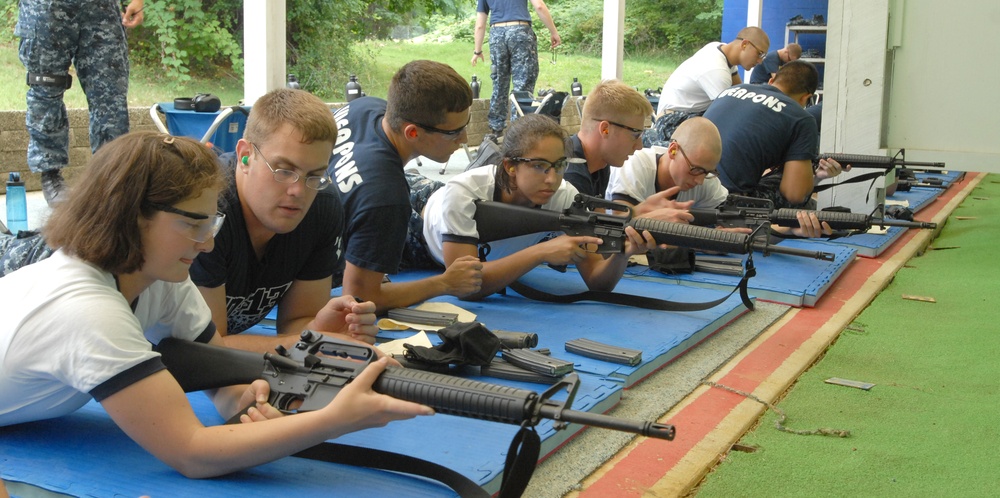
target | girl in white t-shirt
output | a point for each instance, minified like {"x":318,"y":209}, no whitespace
{"x":81,"y":324}
{"x":530,"y":174}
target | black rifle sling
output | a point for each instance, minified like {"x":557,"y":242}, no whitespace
{"x":386,"y":460}
{"x":857,"y":179}
{"x":522,"y":456}
{"x":649,"y":303}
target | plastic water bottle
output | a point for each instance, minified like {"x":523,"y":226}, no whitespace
{"x":475,"y":87}
{"x":17,"y":204}
{"x":353,"y":89}
{"x":576,"y":88}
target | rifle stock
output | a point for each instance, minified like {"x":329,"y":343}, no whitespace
{"x":315,"y":370}
{"x":497,"y":221}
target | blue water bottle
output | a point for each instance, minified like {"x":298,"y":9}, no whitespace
{"x":17,"y":205}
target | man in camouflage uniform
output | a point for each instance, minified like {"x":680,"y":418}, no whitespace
{"x":90,"y":35}
{"x":513,"y":50}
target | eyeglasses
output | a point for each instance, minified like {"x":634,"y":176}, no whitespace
{"x":760,"y":55}
{"x":288,"y":176}
{"x":206,"y":227}
{"x":543,"y":166}
{"x":453,"y":134}
{"x":636,"y":132}
{"x":694,"y":170}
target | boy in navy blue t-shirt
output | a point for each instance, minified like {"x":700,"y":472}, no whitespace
{"x":425,"y":115}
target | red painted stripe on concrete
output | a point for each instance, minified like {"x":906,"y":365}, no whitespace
{"x":651,"y":459}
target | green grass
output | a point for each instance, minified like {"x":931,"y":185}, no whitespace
{"x":641,"y":72}
{"x":148,"y":87}
{"x":926,"y":428}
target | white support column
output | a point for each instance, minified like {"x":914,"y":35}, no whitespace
{"x":613,"y":43}
{"x":755,"y":11}
{"x":263,"y":48}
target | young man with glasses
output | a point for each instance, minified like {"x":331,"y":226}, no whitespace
{"x":425,"y":114}
{"x":714,"y":68}
{"x":281,"y":240}
{"x":769,"y":141}
{"x":684,"y":171}
{"x":614,"y":116}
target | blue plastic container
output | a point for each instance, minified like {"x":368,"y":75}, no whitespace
{"x":195,"y":124}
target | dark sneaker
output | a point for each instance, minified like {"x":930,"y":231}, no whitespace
{"x":818,"y":20}
{"x":798,"y":20}
{"x":53,"y":187}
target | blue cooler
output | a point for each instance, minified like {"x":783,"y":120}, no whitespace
{"x":196,"y":124}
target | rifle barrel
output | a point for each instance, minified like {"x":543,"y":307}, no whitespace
{"x":644,"y":428}
{"x":903,"y":223}
{"x":793,"y":251}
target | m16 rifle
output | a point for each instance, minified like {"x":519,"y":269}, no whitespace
{"x":318,"y":367}
{"x":750,"y":212}
{"x":863,"y":161}
{"x":886,"y":163}
{"x":588,"y":216}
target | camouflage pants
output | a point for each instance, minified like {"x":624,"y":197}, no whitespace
{"x":513,"y":58}
{"x":25,"y":248}
{"x":89,"y":35}
{"x":663,"y":128}
{"x":415,"y":253}
{"x":769,"y":188}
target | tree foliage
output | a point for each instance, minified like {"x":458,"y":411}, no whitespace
{"x":188,"y":35}
{"x":650,"y":25}
{"x":205,"y":37}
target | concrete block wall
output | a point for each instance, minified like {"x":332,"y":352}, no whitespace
{"x":14,"y":137}
{"x":14,"y":143}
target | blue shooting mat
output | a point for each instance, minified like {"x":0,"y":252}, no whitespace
{"x":948,"y":177}
{"x":661,"y":335}
{"x":918,"y":198}
{"x":792,"y":280}
{"x":870,"y":245}
{"x":86,"y":454}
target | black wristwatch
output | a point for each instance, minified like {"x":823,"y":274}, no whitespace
{"x":477,"y":53}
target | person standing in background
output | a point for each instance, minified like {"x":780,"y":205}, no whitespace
{"x":773,"y":61}
{"x":513,"y":50}
{"x":714,"y":68}
{"x":90,"y":36}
